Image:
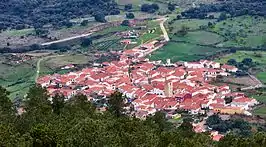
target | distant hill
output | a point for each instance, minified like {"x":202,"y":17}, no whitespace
{"x":19,"y":14}
{"x":232,"y":7}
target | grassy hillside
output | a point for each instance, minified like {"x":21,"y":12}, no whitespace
{"x":258,"y":56}
{"x":23,"y":13}
{"x":17,"y":78}
{"x":245,"y":31}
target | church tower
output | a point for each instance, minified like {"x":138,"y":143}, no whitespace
{"x":168,"y":89}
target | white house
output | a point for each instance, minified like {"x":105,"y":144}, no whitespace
{"x":193,"y":65}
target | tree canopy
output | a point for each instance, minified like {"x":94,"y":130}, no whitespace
{"x":20,"y":14}
{"x":150,"y":8}
{"x":171,"y":7}
{"x":125,"y":23}
{"x":128,"y":7}
{"x":77,"y":122}
{"x":86,"y":42}
{"x":130,"y":15}
{"x":232,"y":7}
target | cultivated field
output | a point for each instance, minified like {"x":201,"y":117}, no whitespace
{"x":181,"y":52}
{"x":196,"y":37}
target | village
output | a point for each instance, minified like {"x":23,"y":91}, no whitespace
{"x":151,"y":86}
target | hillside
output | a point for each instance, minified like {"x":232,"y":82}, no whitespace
{"x":232,"y":7}
{"x":20,"y":14}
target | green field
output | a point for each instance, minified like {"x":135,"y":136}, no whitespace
{"x":262,"y":77}
{"x":151,"y":36}
{"x":196,"y":37}
{"x":245,"y":31}
{"x":181,"y":52}
{"x":192,"y":24}
{"x":260,"y":111}
{"x":190,"y":46}
{"x":258,"y":56}
{"x":53,"y":64}
{"x":261,"y":98}
{"x":17,"y":79}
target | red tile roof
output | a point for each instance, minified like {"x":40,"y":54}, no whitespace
{"x":228,"y":67}
{"x":217,"y":137}
{"x":216,"y":105}
{"x":147,"y":87}
{"x":242,"y":100}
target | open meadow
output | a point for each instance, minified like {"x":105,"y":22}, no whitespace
{"x":17,"y":78}
{"x":195,"y":37}
{"x":191,"y":24}
{"x":261,"y":111}
{"x":262,"y":77}
{"x":53,"y":64}
{"x":247,"y":31}
{"x":256,"y":56}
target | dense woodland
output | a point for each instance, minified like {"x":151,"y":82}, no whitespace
{"x":19,"y":14}
{"x":231,"y":7}
{"x":77,"y":122}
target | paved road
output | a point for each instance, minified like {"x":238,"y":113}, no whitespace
{"x":38,"y":65}
{"x":66,"y":39}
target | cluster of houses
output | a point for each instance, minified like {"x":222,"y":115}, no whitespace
{"x":150,"y":86}
{"x":18,"y":58}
